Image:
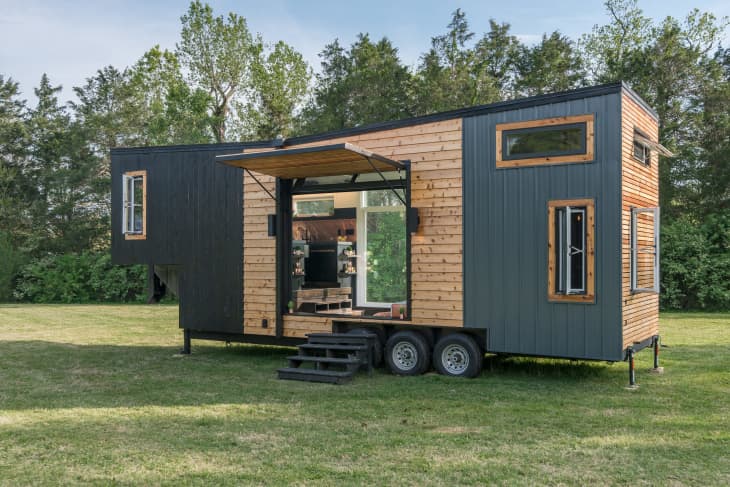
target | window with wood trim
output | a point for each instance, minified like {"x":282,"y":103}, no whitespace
{"x":645,"y":250}
{"x":556,"y":140}
{"x":641,"y":152}
{"x":571,"y":250}
{"x":134,"y":205}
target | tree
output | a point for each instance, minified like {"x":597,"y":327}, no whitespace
{"x":61,"y":178}
{"x":444,"y":79}
{"x":552,"y":65}
{"x":378,"y":82}
{"x":219,"y":54}
{"x":14,"y":224}
{"x":13,"y":148}
{"x":329,"y":107}
{"x":496,"y":57}
{"x":280,"y":83}
{"x":366,"y":84}
{"x":714,"y":172}
{"x":612,"y":51}
{"x":168,"y":109}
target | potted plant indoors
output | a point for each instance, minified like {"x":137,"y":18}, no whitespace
{"x":402,"y":312}
{"x":290,"y":305}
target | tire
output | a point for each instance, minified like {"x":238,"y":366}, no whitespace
{"x":407,"y":353}
{"x":377,"y":347}
{"x":458,"y":355}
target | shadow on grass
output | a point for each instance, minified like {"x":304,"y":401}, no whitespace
{"x":545,"y":367}
{"x":43,"y":374}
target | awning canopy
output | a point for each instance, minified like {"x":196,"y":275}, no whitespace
{"x":653,"y":145}
{"x":327,"y":160}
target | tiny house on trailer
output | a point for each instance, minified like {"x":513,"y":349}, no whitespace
{"x":527,"y":227}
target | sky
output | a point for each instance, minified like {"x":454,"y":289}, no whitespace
{"x":71,"y":39}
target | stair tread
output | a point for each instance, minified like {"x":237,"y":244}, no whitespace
{"x":341,"y":335}
{"x":331,"y":360}
{"x":330,"y":373}
{"x":333,"y":346}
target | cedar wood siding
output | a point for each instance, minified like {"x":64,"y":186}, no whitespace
{"x":505,"y":238}
{"x":640,"y":189}
{"x":434,"y":150}
{"x":193,"y":221}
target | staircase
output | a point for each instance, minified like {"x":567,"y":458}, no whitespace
{"x":330,"y":357}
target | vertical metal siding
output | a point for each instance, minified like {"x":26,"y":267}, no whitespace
{"x":194,"y":219}
{"x":505,"y":239}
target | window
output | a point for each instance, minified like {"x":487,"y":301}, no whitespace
{"x":548,"y":141}
{"x":381,"y":234}
{"x":645,"y":250}
{"x":642,"y":153}
{"x":134,"y":205}
{"x":314,"y":207}
{"x":571,"y":255}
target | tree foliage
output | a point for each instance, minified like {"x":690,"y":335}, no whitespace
{"x":280,"y":83}
{"x":366,"y":84}
{"x":220,"y":54}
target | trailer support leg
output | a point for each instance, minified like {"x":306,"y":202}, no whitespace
{"x":632,"y":369}
{"x":186,"y":342}
{"x":655,"y":344}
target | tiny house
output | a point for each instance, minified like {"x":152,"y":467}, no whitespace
{"x":526,"y":227}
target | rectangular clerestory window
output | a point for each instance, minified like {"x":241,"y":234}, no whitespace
{"x":555,"y":140}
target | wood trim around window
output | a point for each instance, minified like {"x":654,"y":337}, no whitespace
{"x":588,"y":156}
{"x":143,"y":235}
{"x":590,"y":295}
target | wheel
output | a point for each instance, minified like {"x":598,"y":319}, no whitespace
{"x":377,"y":347}
{"x":407,"y":353}
{"x":458,"y":355}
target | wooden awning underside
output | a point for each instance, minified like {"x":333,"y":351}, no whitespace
{"x":328,"y":160}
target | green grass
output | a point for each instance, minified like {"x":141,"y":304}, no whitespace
{"x":97,"y":395}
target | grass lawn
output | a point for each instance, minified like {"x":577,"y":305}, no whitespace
{"x":97,"y":395}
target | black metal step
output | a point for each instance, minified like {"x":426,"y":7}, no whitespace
{"x":332,"y":346}
{"x":344,"y":338}
{"x":313,"y":375}
{"x":339,"y":335}
{"x":325,"y":360}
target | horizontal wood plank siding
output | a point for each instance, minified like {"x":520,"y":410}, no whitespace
{"x":640,"y":188}
{"x":434,"y":150}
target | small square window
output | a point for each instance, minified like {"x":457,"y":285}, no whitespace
{"x":642,"y":153}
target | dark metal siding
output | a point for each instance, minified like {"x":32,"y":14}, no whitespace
{"x":194,"y":220}
{"x":505,"y":239}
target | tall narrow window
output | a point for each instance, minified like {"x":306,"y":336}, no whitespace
{"x":645,"y":250}
{"x":381,"y":235}
{"x":134,"y":205}
{"x":571,"y":257}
